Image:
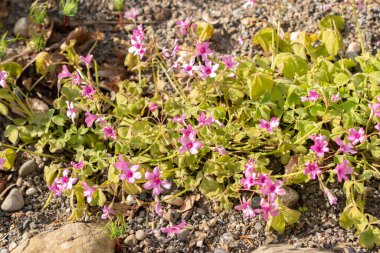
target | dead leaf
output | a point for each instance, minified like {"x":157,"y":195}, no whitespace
{"x":174,"y":201}
{"x":189,"y":202}
{"x":38,"y":105}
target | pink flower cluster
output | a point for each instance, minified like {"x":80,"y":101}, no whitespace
{"x":270,"y":190}
{"x":188,"y":141}
{"x":3,"y":78}
{"x":203,"y":120}
{"x":172,"y":230}
{"x":312,"y":96}
{"x":62,"y":183}
{"x":128,"y":172}
{"x":320,"y":146}
{"x":154,"y":182}
{"x":185,"y":26}
{"x":269,"y":125}
{"x":137,"y":42}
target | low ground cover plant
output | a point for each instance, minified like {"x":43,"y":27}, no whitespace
{"x":217,"y":125}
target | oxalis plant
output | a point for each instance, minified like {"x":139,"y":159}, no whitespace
{"x":225,"y":122}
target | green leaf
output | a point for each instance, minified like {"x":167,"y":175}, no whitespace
{"x":3,"y":109}
{"x":11,"y":132}
{"x":291,"y":65}
{"x":42,"y":65}
{"x":10,"y":156}
{"x":14,"y":69}
{"x":210,"y":187}
{"x":59,"y":120}
{"x":290,"y":216}
{"x":204,"y":31}
{"x":344,"y":220}
{"x":50,"y":172}
{"x":332,"y":41}
{"x":358,"y":218}
{"x":332,"y":21}
{"x":113,"y":176}
{"x":278,"y":223}
{"x":258,"y":84}
{"x":99,"y":198}
{"x":369,"y":237}
{"x":341,"y":79}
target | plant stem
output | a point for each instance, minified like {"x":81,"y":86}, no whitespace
{"x":358,"y":26}
{"x":120,"y":21}
{"x":65,"y":21}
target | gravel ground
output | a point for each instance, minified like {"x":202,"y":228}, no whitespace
{"x":212,"y":232}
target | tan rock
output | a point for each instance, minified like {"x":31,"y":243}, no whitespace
{"x":286,"y":248}
{"x":71,"y":238}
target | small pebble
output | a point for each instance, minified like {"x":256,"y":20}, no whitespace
{"x":140,"y":235}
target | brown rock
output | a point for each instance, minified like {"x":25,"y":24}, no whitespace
{"x":286,"y":248}
{"x":71,"y":238}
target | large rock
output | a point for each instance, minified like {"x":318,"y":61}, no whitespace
{"x":14,"y":201}
{"x":291,"y":197}
{"x":27,"y":168}
{"x":71,"y":238}
{"x":286,"y":248}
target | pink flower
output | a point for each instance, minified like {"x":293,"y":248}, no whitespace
{"x":64,"y":182}
{"x":88,"y":191}
{"x":208,"y":70}
{"x":272,"y":189}
{"x":109,"y":132}
{"x":158,"y":209}
{"x":203,"y":121}
{"x":128,"y":172}
{"x":335,"y":98}
{"x":221,"y":150}
{"x":184,"y":26}
{"x":180,"y":120}
{"x":377,"y":127}
{"x":360,"y":5}
{"x":71,"y":111}
{"x":342,"y":170}
{"x":268,"y":209}
{"x":249,"y":179}
{"x":174,"y":229}
{"x":106,"y":213}
{"x":190,"y":145}
{"x":312,"y":96}
{"x":189,"y":132}
{"x":77,"y":166}
{"x":131,"y":14}
{"x":153,"y":107}
{"x":345,"y":148}
{"x":154,"y":182}
{"x":356,"y":136}
{"x":56,"y":189}
{"x":320,"y":145}
{"x":262,"y":179}
{"x":229,"y":62}
{"x":2,"y":162}
{"x":64,"y":73}
{"x":241,"y":40}
{"x":332,"y":199}
{"x":76,"y":79}
{"x":249,"y":3}
{"x":87,"y":60}
{"x":90,"y":119}
{"x":250,"y":165}
{"x":248,"y":211}
{"x":101,"y":121}
{"x":189,"y":68}
{"x":375,"y":108}
{"x":203,"y":50}
{"x":88,"y":91}
{"x":137,"y":42}
{"x":312,"y":169}
{"x":3,"y":78}
{"x":269,"y":125}
{"x":327,"y":7}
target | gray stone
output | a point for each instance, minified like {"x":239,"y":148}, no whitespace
{"x":131,"y":240}
{"x":21,"y":27}
{"x":227,"y":238}
{"x":71,"y":238}
{"x":31,"y":191}
{"x":140,"y":235}
{"x":256,"y":202}
{"x":19,"y":182}
{"x":14,"y":201}
{"x":258,"y":226}
{"x":183,"y":235}
{"x":290,"y":198}
{"x":219,"y":250}
{"x":286,"y":248}
{"x":27,"y":168}
{"x":4,"y":251}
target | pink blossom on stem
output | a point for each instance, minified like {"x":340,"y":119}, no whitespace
{"x":71,"y":111}
{"x":172,"y":230}
{"x":230,"y":62}
{"x":3,"y":78}
{"x":356,"y":136}
{"x":76,"y":79}
{"x":342,"y":170}
{"x":87,"y":60}
{"x":205,"y":121}
{"x":250,"y":165}
{"x":77,"y":166}
{"x":137,"y":42}
{"x":272,"y":189}
{"x":107,"y":212}
{"x":262,"y":179}
{"x":158,"y":208}
{"x":332,"y":199}
{"x":109,"y":133}
{"x":184,"y":26}
{"x":189,"y":132}
{"x":320,"y":146}
{"x":56,"y":189}
{"x":180,"y":119}
{"x":249,"y":179}
{"x":62,"y":183}
{"x":269,"y":125}
{"x":153,"y":107}
{"x":268,"y":208}
{"x":335,"y":98}
{"x":155,"y":182}
{"x":189,"y":144}
{"x":189,"y":67}
{"x":90,"y":119}
{"x":208,"y":70}
{"x":375,"y":108}
{"x":312,"y":96}
{"x":247,"y":210}
{"x":312,"y":169}
{"x":221,"y":150}
{"x":88,"y":191}
{"x":203,"y":50}
{"x":128,"y":172}
{"x":101,"y":121}
{"x":2,"y":162}
{"x":64,"y":73}
{"x":241,"y":40}
{"x":88,"y":90}
{"x":131,"y":14}
{"x":345,"y":148}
